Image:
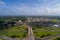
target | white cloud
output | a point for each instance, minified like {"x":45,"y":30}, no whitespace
{"x":2,"y":3}
{"x":50,"y":8}
{"x":38,"y":10}
{"x":45,"y":10}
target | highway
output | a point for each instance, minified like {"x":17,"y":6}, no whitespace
{"x":30,"y":34}
{"x":8,"y":38}
{"x":51,"y":37}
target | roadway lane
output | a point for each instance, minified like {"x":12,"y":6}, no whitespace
{"x":30,"y":34}
{"x":51,"y":37}
{"x":8,"y":38}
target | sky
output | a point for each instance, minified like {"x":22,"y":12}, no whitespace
{"x":30,"y":7}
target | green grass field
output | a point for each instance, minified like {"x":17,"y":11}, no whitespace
{"x":44,"y":32}
{"x":18,"y":31}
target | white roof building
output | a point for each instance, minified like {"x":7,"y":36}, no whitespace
{"x":56,"y":25}
{"x":20,"y":21}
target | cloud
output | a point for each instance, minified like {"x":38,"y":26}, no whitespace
{"x":2,"y":3}
{"x":47,"y":7}
{"x":52,"y":8}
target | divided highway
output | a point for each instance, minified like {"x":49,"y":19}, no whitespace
{"x":30,"y":34}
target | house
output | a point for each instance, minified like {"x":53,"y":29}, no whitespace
{"x":56,"y":25}
{"x":20,"y":21}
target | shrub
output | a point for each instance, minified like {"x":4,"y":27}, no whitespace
{"x":17,"y":36}
{"x":33,"y":28}
{"x":57,"y":39}
{"x":13,"y":36}
{"x":48,"y":34}
{"x":43,"y":36}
